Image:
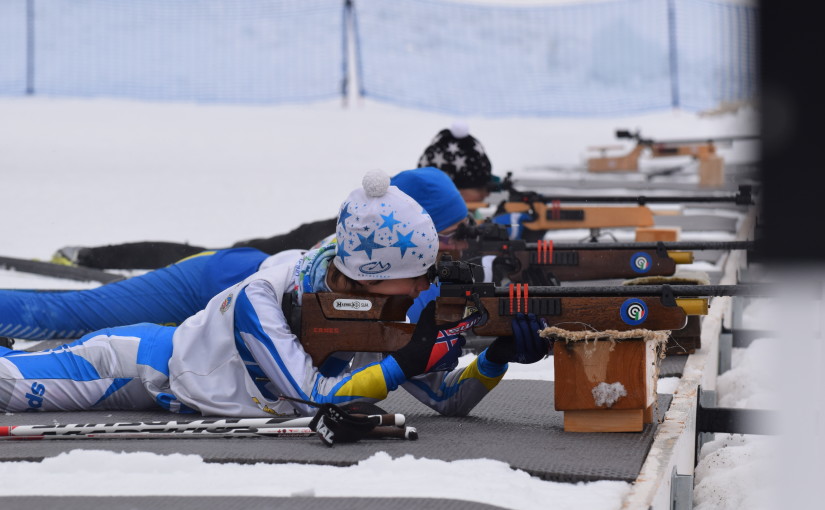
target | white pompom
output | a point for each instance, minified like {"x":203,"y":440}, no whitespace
{"x":376,"y":183}
{"x":460,"y":129}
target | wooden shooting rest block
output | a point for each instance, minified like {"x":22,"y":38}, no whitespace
{"x":593,"y":216}
{"x":654,"y":234}
{"x":626,"y":163}
{"x":711,"y":172}
{"x":587,"y":362}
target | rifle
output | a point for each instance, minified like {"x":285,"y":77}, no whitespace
{"x":744,"y":196}
{"x":330,"y":322}
{"x":555,"y":217}
{"x":545,"y":262}
{"x":698,"y":148}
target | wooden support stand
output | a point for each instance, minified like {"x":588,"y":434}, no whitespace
{"x":625,"y":163}
{"x":653,"y":234}
{"x":582,"y":366}
{"x":711,"y":172}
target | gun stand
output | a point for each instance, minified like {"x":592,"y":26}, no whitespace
{"x":625,"y":163}
{"x":606,"y":380}
{"x":595,"y":234}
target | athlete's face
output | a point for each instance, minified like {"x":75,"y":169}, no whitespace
{"x":474,"y":194}
{"x":447,"y":239}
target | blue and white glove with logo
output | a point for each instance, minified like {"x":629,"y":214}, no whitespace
{"x":525,"y":345}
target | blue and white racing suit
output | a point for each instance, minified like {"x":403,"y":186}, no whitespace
{"x":233,"y":358}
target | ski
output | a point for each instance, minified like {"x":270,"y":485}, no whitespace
{"x":83,"y":274}
{"x":150,"y":427}
{"x":388,"y":426}
{"x":191,"y":434}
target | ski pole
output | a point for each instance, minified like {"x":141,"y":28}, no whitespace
{"x":221,"y":427}
{"x":400,"y":432}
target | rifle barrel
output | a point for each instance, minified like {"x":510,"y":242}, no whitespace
{"x":749,"y":289}
{"x":642,"y":199}
{"x":676,"y":245}
{"x":694,"y":141}
{"x":742,"y":197}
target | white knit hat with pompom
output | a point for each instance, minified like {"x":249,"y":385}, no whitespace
{"x":382,"y":233}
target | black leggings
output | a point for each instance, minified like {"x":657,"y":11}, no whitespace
{"x":154,"y":255}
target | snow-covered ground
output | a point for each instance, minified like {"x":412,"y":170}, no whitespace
{"x":86,"y":172}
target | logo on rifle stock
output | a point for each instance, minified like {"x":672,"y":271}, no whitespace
{"x":633,"y":311}
{"x":359,"y":305}
{"x":641,"y":262}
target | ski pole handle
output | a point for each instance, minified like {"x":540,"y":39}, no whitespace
{"x":409,"y":433}
{"x":393,"y":420}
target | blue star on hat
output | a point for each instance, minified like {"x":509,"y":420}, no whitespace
{"x":389,"y":221}
{"x":342,"y":217}
{"x":404,"y":242}
{"x":368,"y":244}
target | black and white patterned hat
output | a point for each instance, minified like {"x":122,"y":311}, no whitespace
{"x":457,"y":153}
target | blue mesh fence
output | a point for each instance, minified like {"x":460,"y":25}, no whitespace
{"x":597,"y":58}
{"x":717,"y":48}
{"x":13,"y":51}
{"x":204,"y":50}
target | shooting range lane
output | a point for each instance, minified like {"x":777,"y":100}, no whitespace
{"x":516,"y":424}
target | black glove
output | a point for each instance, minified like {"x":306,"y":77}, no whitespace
{"x":503,"y":267}
{"x":537,"y":276}
{"x":334,"y":425}
{"x":434,"y":348}
{"x":525,"y":345}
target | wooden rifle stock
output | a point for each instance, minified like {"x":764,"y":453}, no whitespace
{"x":698,"y":148}
{"x":541,"y":262}
{"x":557,"y":218}
{"x":572,"y":313}
{"x":520,"y":263}
{"x":331,"y":322}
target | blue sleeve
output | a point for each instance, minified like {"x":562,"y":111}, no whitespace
{"x":513,"y":221}
{"x":421,"y":301}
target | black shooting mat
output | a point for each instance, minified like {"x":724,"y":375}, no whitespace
{"x":516,"y":423}
{"x":673,"y":365}
{"x":233,"y":503}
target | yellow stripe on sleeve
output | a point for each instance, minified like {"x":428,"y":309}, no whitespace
{"x":471,"y":372}
{"x":368,"y":383}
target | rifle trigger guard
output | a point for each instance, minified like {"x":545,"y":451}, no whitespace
{"x":668,"y":298}
{"x":481,"y":308}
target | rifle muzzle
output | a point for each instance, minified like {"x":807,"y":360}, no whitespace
{"x":681,"y":257}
